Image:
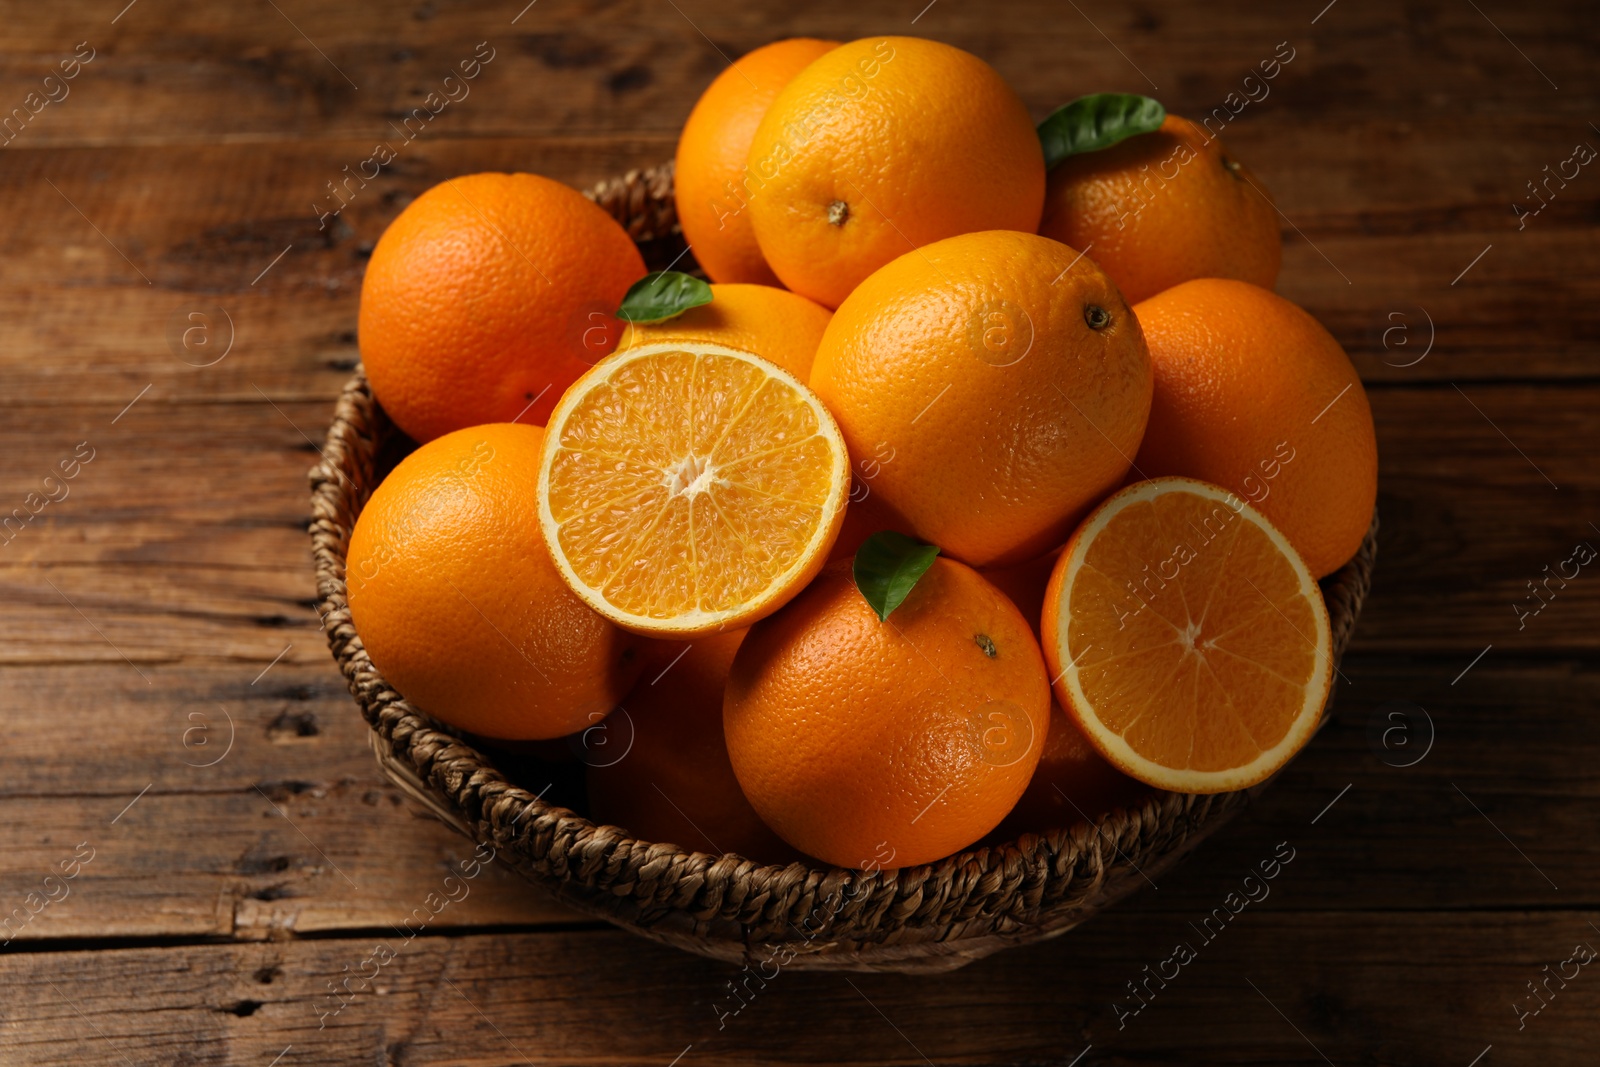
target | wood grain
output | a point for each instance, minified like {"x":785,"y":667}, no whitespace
{"x":100,"y":325}
{"x":183,"y":537}
{"x":147,"y":602}
{"x":220,"y":804}
{"x":1452,"y":125}
{"x":625,"y":67}
{"x":1351,"y":986}
{"x":292,"y":831}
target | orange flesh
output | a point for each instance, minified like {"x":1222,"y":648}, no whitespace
{"x":689,"y":482}
{"x":1198,"y":659}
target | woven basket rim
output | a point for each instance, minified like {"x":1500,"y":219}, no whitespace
{"x":927,"y":917}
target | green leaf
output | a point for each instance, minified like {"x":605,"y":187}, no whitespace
{"x":887,"y":565}
{"x":1091,"y":123}
{"x":662,"y":294}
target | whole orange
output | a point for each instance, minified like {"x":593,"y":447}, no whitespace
{"x":458,"y":602}
{"x":663,"y":772}
{"x":881,"y":146}
{"x":1164,"y":207}
{"x":773,"y":323}
{"x":709,"y":182}
{"x":1007,"y":378}
{"x":488,"y":296}
{"x":886,"y":744}
{"x":1252,"y":394}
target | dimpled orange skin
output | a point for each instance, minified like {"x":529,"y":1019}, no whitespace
{"x":1163,"y":207}
{"x":1245,"y":398}
{"x":1007,"y":415}
{"x":459,"y":604}
{"x":708,"y":177}
{"x":487,"y":297}
{"x":884,"y":145}
{"x":775,"y":324}
{"x":861,"y":742}
{"x":675,"y":784}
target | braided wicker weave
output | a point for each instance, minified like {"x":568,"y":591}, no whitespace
{"x":928,"y":918}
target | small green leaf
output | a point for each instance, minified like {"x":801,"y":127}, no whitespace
{"x":662,"y":294}
{"x":1091,"y":123}
{"x":887,"y":565}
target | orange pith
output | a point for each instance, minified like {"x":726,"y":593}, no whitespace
{"x":1190,"y":641}
{"x":687,"y":487}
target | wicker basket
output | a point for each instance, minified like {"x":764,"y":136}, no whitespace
{"x":918,"y":919}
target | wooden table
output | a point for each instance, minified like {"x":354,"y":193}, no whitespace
{"x":177,"y":737}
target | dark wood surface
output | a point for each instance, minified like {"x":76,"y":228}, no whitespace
{"x":163,"y":606}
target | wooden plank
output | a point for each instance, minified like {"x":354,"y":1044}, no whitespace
{"x":291,"y":831}
{"x":1480,"y":490}
{"x":1422,"y":899}
{"x":1421,"y":794}
{"x":1277,"y":985}
{"x":1374,"y":237}
{"x":221,"y":801}
{"x":184,"y":535}
{"x":1377,"y":273}
{"x":91,"y":324}
{"x":309,"y":71}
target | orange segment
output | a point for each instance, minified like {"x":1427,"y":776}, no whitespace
{"x":687,"y":487}
{"x":1188,"y":639}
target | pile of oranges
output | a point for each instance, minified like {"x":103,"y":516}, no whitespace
{"x":983,"y":488}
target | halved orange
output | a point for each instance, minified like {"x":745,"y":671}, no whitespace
{"x":686,"y":487}
{"x":1187,"y":638}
